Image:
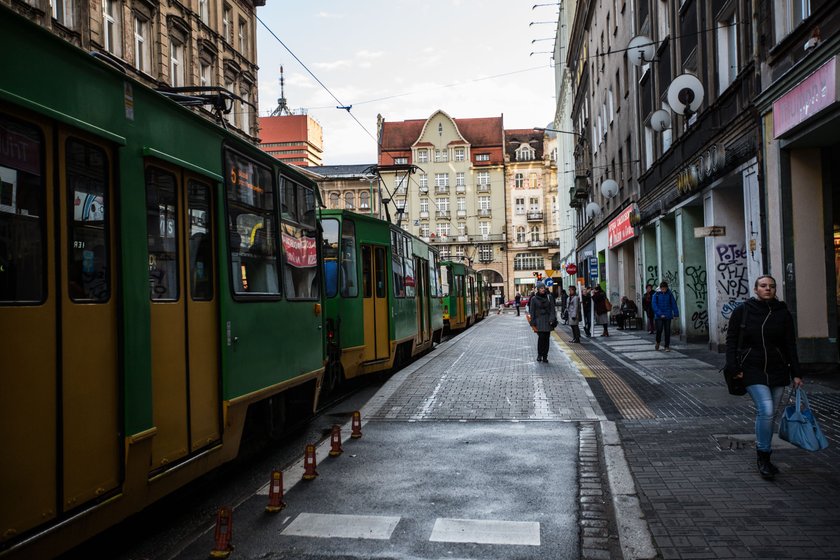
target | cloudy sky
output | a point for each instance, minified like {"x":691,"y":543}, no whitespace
{"x":405,"y":60}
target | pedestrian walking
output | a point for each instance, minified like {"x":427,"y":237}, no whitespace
{"x":573,"y":309}
{"x":764,"y":354}
{"x":602,"y":309}
{"x":543,"y":319}
{"x":664,"y":309}
{"x":647,"y":307}
{"x":586,"y":304}
{"x":516,"y":299}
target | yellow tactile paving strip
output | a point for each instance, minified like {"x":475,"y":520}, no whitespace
{"x":625,"y":399}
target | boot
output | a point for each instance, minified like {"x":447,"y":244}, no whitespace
{"x":773,"y":468}
{"x":763,"y":462}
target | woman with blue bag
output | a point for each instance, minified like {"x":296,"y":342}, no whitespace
{"x":766,"y":360}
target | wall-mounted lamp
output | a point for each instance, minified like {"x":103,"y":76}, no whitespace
{"x":640,"y":50}
{"x":593,"y":210}
{"x":685,"y":94}
{"x":660,"y":120}
{"x":609,"y":189}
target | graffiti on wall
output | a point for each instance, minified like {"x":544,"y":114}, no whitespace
{"x":653,"y":276}
{"x":695,"y":285}
{"x":733,"y":283}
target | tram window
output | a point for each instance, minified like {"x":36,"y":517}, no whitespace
{"x":349,"y":281}
{"x":408,"y":268}
{"x":380,"y":273}
{"x":201,"y":241}
{"x":289,"y":201}
{"x":434,"y":274}
{"x":307,"y":211}
{"x":252,"y":229}
{"x":162,"y":234}
{"x":330,"y":254}
{"x":87,"y":184}
{"x":397,"y":249}
{"x":22,"y":235}
{"x":300,"y":272}
{"x":367,"y":272}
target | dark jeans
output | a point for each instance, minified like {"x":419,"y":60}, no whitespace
{"x":575,"y":333}
{"x":651,"y":322}
{"x":542,"y":343}
{"x":517,"y":311}
{"x":663,"y":324}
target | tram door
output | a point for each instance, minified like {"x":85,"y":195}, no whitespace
{"x":375,"y":302}
{"x":184,"y":323}
{"x":424,"y":328}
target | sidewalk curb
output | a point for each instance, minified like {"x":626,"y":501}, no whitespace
{"x":634,"y":533}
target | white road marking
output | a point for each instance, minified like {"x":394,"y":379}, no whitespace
{"x":542,"y":408}
{"x":326,"y":525}
{"x":430,"y":401}
{"x":486,"y":531}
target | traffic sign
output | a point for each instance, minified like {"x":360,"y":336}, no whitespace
{"x":593,"y":269}
{"x":548,"y":282}
{"x":571,"y":268}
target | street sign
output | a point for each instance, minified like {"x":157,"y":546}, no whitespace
{"x":549,"y":273}
{"x":571,"y":268}
{"x":593,"y":269}
{"x":548,"y":282}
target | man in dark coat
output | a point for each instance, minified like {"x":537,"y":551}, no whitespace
{"x":543,"y":319}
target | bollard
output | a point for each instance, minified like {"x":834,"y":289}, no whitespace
{"x":309,"y":472}
{"x":275,"y":492}
{"x":357,"y":425}
{"x":335,"y":441}
{"x":223,"y":534}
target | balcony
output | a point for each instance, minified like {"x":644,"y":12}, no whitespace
{"x":460,"y":189}
{"x":461,"y":213}
{"x":424,"y":215}
{"x":483,"y":187}
{"x":424,"y":189}
{"x":487,"y":237}
{"x":484,"y":213}
{"x":463,"y":238}
{"x":534,"y":216}
{"x":537,"y":243}
{"x":442,"y":215}
{"x":441,"y":189}
{"x":581,"y":188}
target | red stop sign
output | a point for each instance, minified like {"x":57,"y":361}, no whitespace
{"x":571,"y":268}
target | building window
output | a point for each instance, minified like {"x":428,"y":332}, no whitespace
{"x":484,"y":228}
{"x":462,"y":228}
{"x":534,"y":204}
{"x":63,"y":12}
{"x":459,"y":179}
{"x":443,"y":229}
{"x":205,"y":73}
{"x":204,"y":11}
{"x":462,"y":204}
{"x":789,"y":14}
{"x":400,"y":183}
{"x":111,"y":23}
{"x":727,"y":55}
{"x":334,"y":198}
{"x":442,"y":204}
{"x":422,"y":155}
{"x":230,"y":116}
{"x":482,"y":157}
{"x":424,"y":204}
{"x":349,"y":200}
{"x":441,"y":179}
{"x":176,"y":63}
{"x":520,"y":234}
{"x":459,"y":252}
{"x":364,"y":200}
{"x":519,"y":180}
{"x":400,"y":161}
{"x":535,"y":233}
{"x":245,"y":104}
{"x":484,"y":203}
{"x":441,"y":155}
{"x":519,"y":205}
{"x":226,"y":23}
{"x":525,"y":153}
{"x":243,"y":36}
{"x":532,"y":179}
{"x":483,"y":177}
{"x":142,"y":49}
{"x":527,"y":261}
{"x":424,"y":181}
{"x":424,"y":230}
{"x":460,"y":154}
{"x":485,"y":253}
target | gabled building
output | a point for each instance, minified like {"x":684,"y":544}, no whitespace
{"x":443,"y":180}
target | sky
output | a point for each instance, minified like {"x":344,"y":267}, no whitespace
{"x":405,"y":60}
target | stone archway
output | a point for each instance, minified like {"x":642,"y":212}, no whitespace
{"x":495,"y":285}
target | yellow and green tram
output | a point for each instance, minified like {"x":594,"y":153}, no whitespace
{"x":159,"y":285}
{"x":461,"y":297}
{"x":382,"y":297}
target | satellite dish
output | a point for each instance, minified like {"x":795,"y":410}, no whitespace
{"x":660,"y":120}
{"x":685,"y":94}
{"x":609,"y":188}
{"x":640,"y":50}
{"x":593,"y":210}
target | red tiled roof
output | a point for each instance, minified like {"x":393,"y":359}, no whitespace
{"x":478,"y":132}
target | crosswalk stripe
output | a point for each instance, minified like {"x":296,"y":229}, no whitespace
{"x":326,"y":525}
{"x":486,"y":532}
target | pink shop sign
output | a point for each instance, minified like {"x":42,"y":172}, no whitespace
{"x":812,"y":95}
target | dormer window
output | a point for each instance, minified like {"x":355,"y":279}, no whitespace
{"x":525,"y":153}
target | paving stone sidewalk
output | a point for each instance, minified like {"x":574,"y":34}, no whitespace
{"x":694,"y":462}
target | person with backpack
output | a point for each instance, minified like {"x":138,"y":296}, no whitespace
{"x":665,"y":309}
{"x":764,"y":355}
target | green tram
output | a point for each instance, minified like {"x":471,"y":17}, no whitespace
{"x":159,"y":284}
{"x":464,"y":296}
{"x":382,"y":295}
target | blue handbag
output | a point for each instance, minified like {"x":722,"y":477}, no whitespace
{"x":799,"y":427}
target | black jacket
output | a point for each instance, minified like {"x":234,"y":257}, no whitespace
{"x":543,"y":314}
{"x":768,"y":352}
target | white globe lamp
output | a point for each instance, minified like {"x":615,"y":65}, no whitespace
{"x":609,"y":188}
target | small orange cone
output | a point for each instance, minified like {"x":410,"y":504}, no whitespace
{"x":224,"y":533}
{"x":275,"y":492}
{"x":309,"y":472}
{"x":335,"y":441}
{"x":357,"y":425}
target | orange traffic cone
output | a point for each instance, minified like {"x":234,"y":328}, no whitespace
{"x":309,"y":472}
{"x":224,"y":533}
{"x":335,"y":441}
{"x":275,"y":492}
{"x":357,"y":425}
